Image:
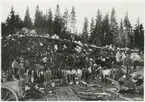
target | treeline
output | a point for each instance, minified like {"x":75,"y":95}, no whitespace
{"x":103,"y":30}
{"x":106,"y":31}
{"x":43,"y":22}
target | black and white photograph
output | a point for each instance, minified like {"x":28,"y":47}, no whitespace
{"x":72,"y":50}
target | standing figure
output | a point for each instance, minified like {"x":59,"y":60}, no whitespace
{"x":22,"y":68}
{"x":68,"y":76}
{"x":15,"y":67}
{"x":73,"y":72}
{"x":34,"y":76}
{"x":29,"y":74}
{"x":48,"y":76}
{"x":79,"y":74}
{"x":59,"y":74}
{"x":93,"y":71}
{"x":41,"y":77}
{"x":90,"y":71}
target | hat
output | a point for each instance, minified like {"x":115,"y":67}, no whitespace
{"x":95,"y":65}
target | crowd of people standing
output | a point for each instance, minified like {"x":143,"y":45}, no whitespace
{"x":94,"y":67}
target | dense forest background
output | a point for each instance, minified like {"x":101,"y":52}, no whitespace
{"x":101,"y":31}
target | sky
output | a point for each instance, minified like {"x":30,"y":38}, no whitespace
{"x":83,"y":8}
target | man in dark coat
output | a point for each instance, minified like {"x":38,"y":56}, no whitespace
{"x":59,"y":74}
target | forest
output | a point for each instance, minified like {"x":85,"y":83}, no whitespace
{"x":101,"y":31}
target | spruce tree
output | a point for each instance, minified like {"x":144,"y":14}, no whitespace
{"x":13,"y":22}
{"x":127,"y":31}
{"x":18,"y":22}
{"x":121,"y":38}
{"x":106,"y":38}
{"x":38,"y":21}
{"x":57,"y":21}
{"x":98,"y":29}
{"x":50,"y":21}
{"x":10,"y":22}
{"x":139,"y":35}
{"x":92,"y":27}
{"x":85,"y":31}
{"x":73,"y":21}
{"x":66,"y":20}
{"x":27,"y":19}
{"x":113,"y":26}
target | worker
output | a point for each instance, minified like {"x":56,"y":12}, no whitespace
{"x":48,"y":76}
{"x":79,"y":74}
{"x":15,"y":67}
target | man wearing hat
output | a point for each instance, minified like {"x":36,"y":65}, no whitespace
{"x":127,"y":62}
{"x":93,"y":70}
{"x":48,"y":76}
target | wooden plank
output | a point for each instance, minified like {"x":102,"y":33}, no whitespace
{"x":95,"y":85}
{"x":83,"y":82}
{"x":93,"y":93}
{"x":120,"y":96}
{"x":66,"y":94}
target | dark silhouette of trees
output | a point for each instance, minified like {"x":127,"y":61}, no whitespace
{"x":103,"y":30}
{"x":85,"y":31}
{"x":27,"y":20}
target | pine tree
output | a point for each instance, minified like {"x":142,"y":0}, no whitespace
{"x":85,"y":31}
{"x":128,"y":31}
{"x":27,"y":20}
{"x":141,"y":41}
{"x":98,"y":29}
{"x":45,"y":23}
{"x":113,"y":27}
{"x":106,"y":38}
{"x":13,"y":22}
{"x":139,"y":35}
{"x":18,"y":22}
{"x":66,"y":20}
{"x":136,"y":33}
{"x":92,"y":27}
{"x":10,"y":22}
{"x":57,"y":21}
{"x":127,"y":21}
{"x":73,"y":21}
{"x":50,"y":21}
{"x":4,"y":29}
{"x":38,"y":22}
{"x":120,"y":39}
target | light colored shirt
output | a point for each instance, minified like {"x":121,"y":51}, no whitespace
{"x":89,"y":69}
{"x":106,"y":72}
{"x":21,"y":65}
{"x":15,"y":64}
{"x":68,"y":71}
{"x":41,"y":73}
{"x":45,"y":59}
{"x":79,"y":72}
{"x":73,"y":72}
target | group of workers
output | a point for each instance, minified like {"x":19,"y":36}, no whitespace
{"x":71,"y":75}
